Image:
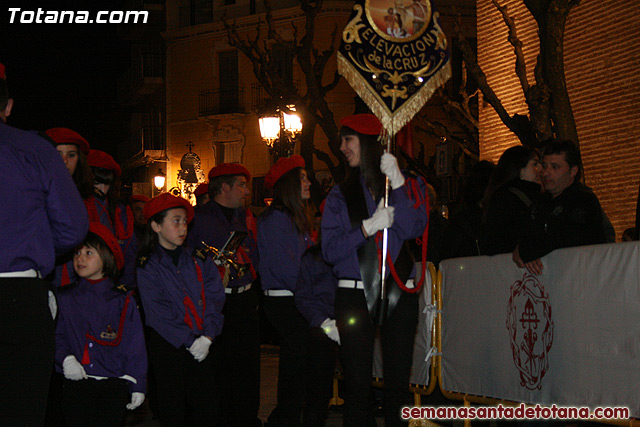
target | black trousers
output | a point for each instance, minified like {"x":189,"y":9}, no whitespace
{"x":322,"y":363}
{"x":357,"y":333}
{"x":185,"y":392}
{"x":94,"y":402}
{"x":236,"y":357}
{"x":26,"y":351}
{"x":293,"y":333}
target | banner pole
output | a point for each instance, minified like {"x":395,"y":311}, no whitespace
{"x":384,"y":301}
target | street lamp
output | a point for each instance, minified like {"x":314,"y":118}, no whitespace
{"x":279,"y":131}
{"x":159,"y":180}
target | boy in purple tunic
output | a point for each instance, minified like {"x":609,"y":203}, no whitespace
{"x":99,"y":340}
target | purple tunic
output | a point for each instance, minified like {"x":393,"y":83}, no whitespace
{"x":43,"y":214}
{"x":340,"y":241}
{"x":280,"y":247}
{"x":212,"y":226}
{"x":163,"y":288}
{"x":96,"y":309}
{"x":316,"y":288}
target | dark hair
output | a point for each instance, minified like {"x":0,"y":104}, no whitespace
{"x":83,"y":176}
{"x":150,"y":237}
{"x":477,"y":182}
{"x":512,"y":161}
{"x":4,"y":94}
{"x":287,"y":197}
{"x":109,"y":266}
{"x":106,"y":176}
{"x":370,"y":152}
{"x":570,"y":150}
{"x":215,"y":186}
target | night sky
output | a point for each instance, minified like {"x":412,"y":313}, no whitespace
{"x":65,"y":75}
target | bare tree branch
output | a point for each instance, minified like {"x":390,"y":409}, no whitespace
{"x":521,"y":68}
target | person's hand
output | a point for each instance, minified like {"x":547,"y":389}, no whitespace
{"x":389,"y":167}
{"x":329,"y":327}
{"x":200,"y":348}
{"x":533,"y":267}
{"x":72,"y":369}
{"x":136,"y":400}
{"x":515,"y":255}
{"x":382,"y":218}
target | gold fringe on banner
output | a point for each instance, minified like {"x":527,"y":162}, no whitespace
{"x":392,"y":121}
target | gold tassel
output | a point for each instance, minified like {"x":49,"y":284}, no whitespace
{"x":395,"y":121}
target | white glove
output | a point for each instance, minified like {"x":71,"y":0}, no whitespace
{"x":72,"y":369}
{"x":329,"y":327}
{"x":200,"y":348}
{"x":389,"y":167}
{"x":53,"y":305}
{"x":381,"y":218}
{"x":136,"y":400}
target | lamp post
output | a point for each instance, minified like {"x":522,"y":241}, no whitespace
{"x":280,"y":131}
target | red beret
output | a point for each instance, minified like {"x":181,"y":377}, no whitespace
{"x":3,"y":74}
{"x":166,"y":201}
{"x":229,"y":169}
{"x":100,"y":159}
{"x":138,"y":198}
{"x":107,"y":236}
{"x":201,"y":189}
{"x":366,"y":124}
{"x":282,"y":166}
{"x":68,"y":136}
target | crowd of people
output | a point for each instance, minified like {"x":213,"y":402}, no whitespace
{"x":155,"y":298}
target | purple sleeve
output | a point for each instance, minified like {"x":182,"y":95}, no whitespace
{"x":136,"y":365}
{"x":409,"y":220}
{"x":315,"y":290}
{"x":340,"y":240}
{"x":63,"y":347}
{"x":160,"y":310}
{"x":214,"y":297}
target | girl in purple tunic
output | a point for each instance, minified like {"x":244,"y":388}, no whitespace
{"x":283,"y":236}
{"x":182,"y":297}
{"x":104,"y":206}
{"x":352,"y":227}
{"x":99,"y":340}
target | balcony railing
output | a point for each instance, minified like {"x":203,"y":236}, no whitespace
{"x":200,"y":13}
{"x":221,"y":101}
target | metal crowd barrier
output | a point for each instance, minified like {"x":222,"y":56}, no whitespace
{"x":436,"y":370}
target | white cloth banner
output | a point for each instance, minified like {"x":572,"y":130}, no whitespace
{"x":422,"y":344}
{"x":570,"y":336}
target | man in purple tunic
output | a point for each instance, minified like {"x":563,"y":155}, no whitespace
{"x":42,"y":216}
{"x":236,"y":351}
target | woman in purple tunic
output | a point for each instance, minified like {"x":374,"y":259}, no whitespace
{"x":283,"y":236}
{"x":352,"y":224}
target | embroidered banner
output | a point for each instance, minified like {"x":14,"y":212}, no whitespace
{"x":570,"y":336}
{"x":394,"y":55}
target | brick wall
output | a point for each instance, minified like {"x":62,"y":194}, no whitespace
{"x":602,"y":64}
